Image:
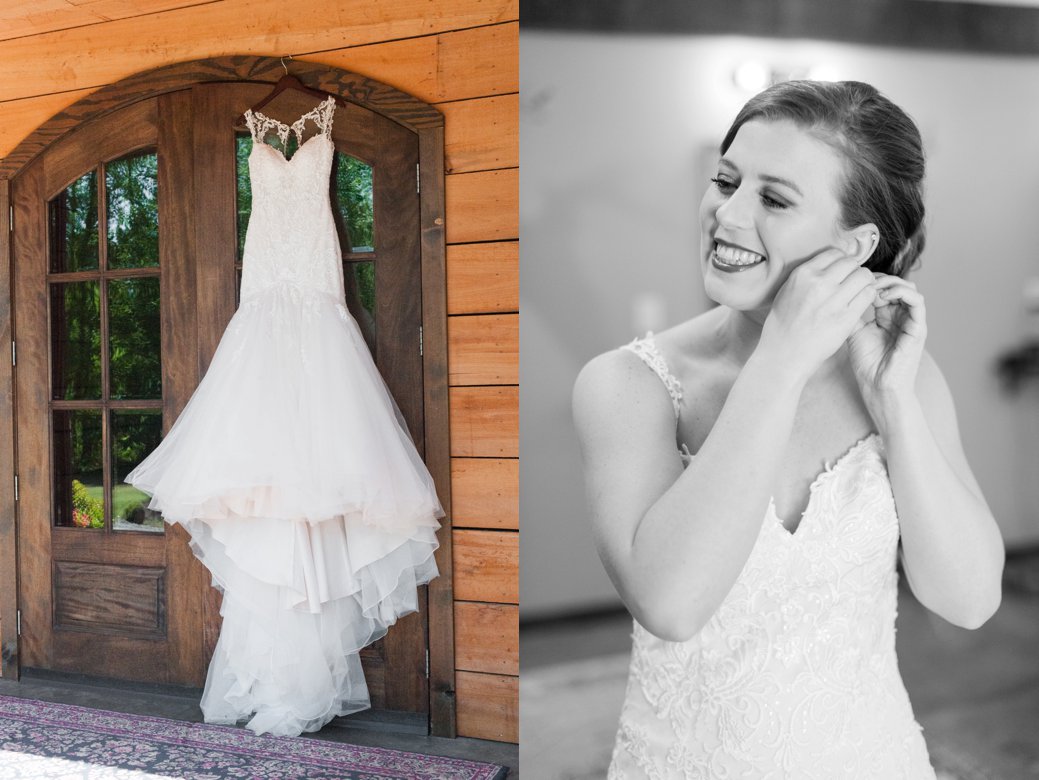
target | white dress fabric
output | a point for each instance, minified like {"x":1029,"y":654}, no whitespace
{"x":795,"y":675}
{"x":291,"y":466}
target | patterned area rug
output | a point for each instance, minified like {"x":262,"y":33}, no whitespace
{"x":45,"y":741}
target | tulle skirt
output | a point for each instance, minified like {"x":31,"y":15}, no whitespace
{"x":292,"y":469}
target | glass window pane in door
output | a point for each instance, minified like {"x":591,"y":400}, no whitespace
{"x":79,"y":499}
{"x":73,"y":226}
{"x":359,"y":281}
{"x":134,"y":434}
{"x":352,"y":203}
{"x":132,"y":188}
{"x":134,"y":338}
{"x":76,"y":340}
{"x":243,"y":192}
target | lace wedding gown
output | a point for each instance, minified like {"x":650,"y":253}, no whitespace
{"x":291,"y":466}
{"x":795,"y":675}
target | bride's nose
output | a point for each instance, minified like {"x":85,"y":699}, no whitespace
{"x":737,"y":210}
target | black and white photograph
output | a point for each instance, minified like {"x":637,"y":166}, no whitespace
{"x":780,"y":390}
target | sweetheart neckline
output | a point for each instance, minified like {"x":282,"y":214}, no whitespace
{"x":825,"y":475}
{"x":828,"y":471}
{"x":281,"y":154}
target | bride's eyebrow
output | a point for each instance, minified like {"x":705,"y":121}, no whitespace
{"x":780,"y":180}
{"x":725,"y":163}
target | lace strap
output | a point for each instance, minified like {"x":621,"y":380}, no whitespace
{"x":260,"y":125}
{"x":321,"y":115}
{"x":647,"y":351}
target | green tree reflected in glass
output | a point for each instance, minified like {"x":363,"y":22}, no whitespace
{"x":353,"y":204}
{"x":134,"y":434}
{"x":359,"y":281}
{"x":244,"y":193}
{"x":129,"y":305}
{"x":76,"y":340}
{"x":131,"y":184}
{"x":73,"y":226}
{"x":134,"y":336}
{"x":78,"y":469}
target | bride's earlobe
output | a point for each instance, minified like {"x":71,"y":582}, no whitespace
{"x":864,"y":241}
{"x":874,"y":240}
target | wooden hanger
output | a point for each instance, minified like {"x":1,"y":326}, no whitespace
{"x":288,"y":81}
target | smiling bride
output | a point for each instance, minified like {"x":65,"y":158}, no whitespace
{"x":755,"y":473}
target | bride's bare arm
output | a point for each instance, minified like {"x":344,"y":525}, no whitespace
{"x":951,"y":546}
{"x":674,"y":542}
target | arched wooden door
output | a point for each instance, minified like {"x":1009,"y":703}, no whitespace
{"x":126,"y":257}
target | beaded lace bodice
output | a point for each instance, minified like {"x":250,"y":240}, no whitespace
{"x":291,"y":240}
{"x":795,"y":674}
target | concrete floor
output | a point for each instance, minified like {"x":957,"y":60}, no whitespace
{"x":976,"y":693}
{"x":169,"y":702}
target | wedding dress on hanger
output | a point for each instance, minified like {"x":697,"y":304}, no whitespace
{"x":291,"y":466}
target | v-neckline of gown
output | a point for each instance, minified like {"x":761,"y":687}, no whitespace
{"x":280,"y":154}
{"x":821,"y":479}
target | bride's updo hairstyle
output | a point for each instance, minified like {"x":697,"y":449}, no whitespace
{"x":882,"y":152}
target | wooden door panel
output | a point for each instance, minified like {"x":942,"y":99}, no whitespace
{"x":94,"y":601}
{"x":188,"y":588}
{"x":32,"y":392}
{"x":398,"y":271}
{"x":110,"y":599}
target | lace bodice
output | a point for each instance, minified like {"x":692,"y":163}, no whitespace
{"x":795,"y":674}
{"x":292,"y":239}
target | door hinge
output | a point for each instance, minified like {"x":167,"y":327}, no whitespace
{"x":18,"y":621}
{"x":418,"y":179}
{"x":14,"y":354}
{"x":10,"y":218}
{"x":15,"y":487}
{"x":421,"y":347}
{"x":427,"y":663}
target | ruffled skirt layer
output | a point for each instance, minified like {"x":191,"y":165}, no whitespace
{"x":292,"y":469}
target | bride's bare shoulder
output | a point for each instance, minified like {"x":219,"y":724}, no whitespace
{"x":617,"y":382}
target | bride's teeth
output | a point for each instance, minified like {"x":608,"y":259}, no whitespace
{"x":733,"y":256}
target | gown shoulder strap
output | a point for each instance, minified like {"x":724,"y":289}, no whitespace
{"x":646,"y":349}
{"x":321,"y":115}
{"x":260,"y":125}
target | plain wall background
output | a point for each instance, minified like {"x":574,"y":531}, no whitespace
{"x":617,"y":133}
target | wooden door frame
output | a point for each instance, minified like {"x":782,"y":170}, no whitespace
{"x":418,"y":117}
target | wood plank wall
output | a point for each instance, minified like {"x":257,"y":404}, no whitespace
{"x":463,"y":58}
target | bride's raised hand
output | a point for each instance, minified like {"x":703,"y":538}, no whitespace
{"x":817,"y":308}
{"x":885,"y":352}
